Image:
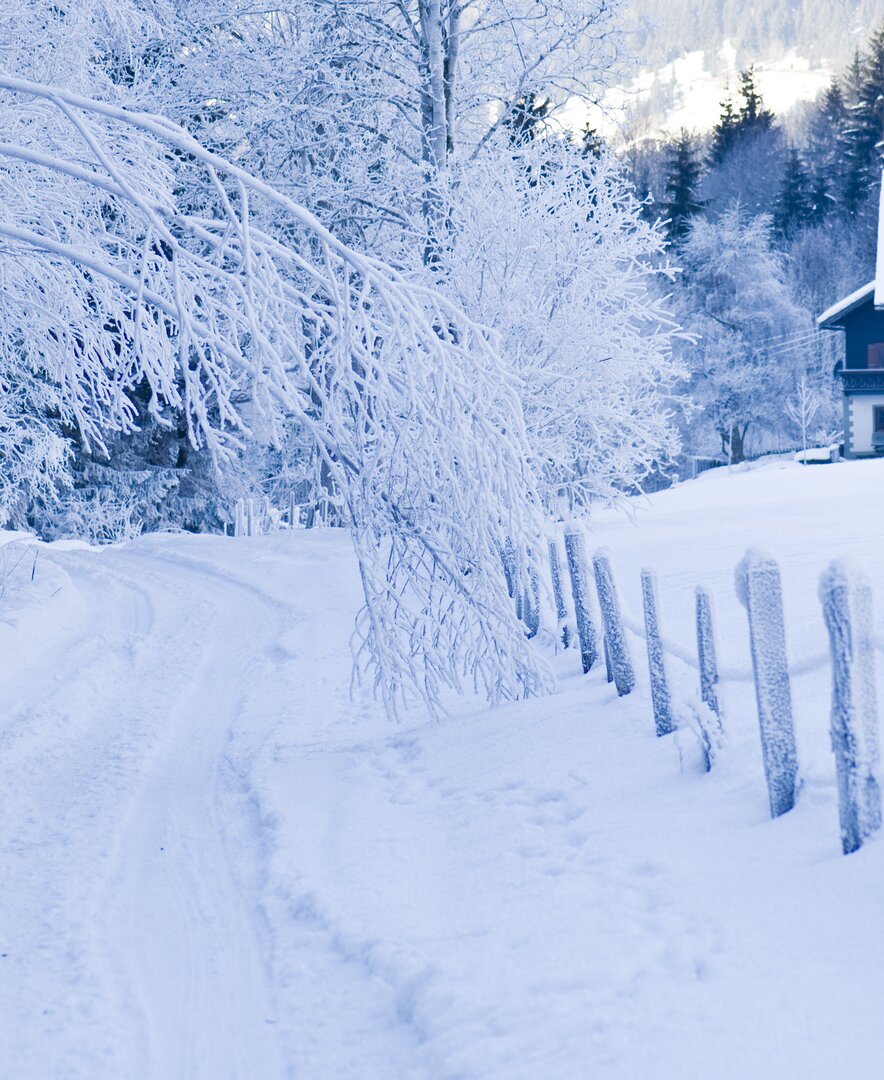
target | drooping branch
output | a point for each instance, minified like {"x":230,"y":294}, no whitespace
{"x":237,"y":306}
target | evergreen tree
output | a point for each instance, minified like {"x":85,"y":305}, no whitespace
{"x":753,"y":117}
{"x":526,"y":119}
{"x":736,"y":126}
{"x":794,"y":204}
{"x":724,"y":134}
{"x":683,"y":172}
{"x":826,"y":152}
{"x":591,"y":143}
{"x":861,"y":131}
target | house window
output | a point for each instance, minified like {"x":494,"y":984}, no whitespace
{"x":876,"y":355}
{"x":879,"y":420}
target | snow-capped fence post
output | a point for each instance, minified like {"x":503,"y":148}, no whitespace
{"x":555,"y":573}
{"x":293,"y":513}
{"x":706,"y":654}
{"x":710,"y":720}
{"x":664,"y":723}
{"x":759,"y":589}
{"x":266,"y":515}
{"x":618,"y":648}
{"x":577,"y":570}
{"x":847,"y":610}
{"x":609,"y":670}
{"x":250,"y":527}
{"x":239,"y":515}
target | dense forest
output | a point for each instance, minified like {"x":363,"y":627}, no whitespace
{"x":769,"y":226}
{"x":757,"y":30}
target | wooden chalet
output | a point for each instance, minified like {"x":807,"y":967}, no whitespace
{"x":860,"y":317}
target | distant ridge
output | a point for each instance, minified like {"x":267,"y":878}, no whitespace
{"x":824,"y":32}
{"x":691,"y":51}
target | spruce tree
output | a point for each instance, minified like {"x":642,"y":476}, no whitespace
{"x":826,"y":152}
{"x":736,"y":126}
{"x":683,"y":172}
{"x":724,"y":134}
{"x":794,"y":203}
{"x":526,"y":118}
{"x":591,"y":143}
{"x":753,"y":117}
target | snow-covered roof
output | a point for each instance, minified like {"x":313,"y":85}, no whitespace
{"x":829,"y":319}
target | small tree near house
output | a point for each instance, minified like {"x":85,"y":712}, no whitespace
{"x":803,"y":407}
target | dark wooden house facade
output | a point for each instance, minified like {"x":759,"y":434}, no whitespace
{"x":862,"y":377}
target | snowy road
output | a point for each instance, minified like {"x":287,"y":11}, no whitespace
{"x":215,"y":864}
{"x":163,"y":970}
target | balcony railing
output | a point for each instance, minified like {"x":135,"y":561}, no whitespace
{"x":868,"y":380}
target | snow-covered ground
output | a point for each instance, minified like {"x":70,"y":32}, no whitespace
{"x":215,"y":863}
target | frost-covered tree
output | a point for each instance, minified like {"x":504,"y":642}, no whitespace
{"x":735,"y":299}
{"x":802,"y":407}
{"x":367,"y":105}
{"x":551,"y":250}
{"x":247,"y":311}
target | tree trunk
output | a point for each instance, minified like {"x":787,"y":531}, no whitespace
{"x":434,"y":120}
{"x":737,"y":441}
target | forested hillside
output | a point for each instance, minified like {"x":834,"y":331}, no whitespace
{"x":770,"y":224}
{"x":758,"y":30}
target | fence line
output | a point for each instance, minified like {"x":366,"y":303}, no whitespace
{"x":253,"y":517}
{"x":847,"y":615}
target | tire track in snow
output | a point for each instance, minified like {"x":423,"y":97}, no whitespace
{"x":179,"y":932}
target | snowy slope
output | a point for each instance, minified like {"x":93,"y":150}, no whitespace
{"x":215,"y":863}
{"x":690,"y":53}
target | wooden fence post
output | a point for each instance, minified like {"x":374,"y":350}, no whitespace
{"x":266,"y":515}
{"x":609,"y":668}
{"x":251,"y":521}
{"x":292,"y":510}
{"x":847,"y":610}
{"x":664,"y":723}
{"x":618,"y":648}
{"x":555,"y":572}
{"x":760,"y":592}
{"x":706,"y":653}
{"x":707,"y":658}
{"x":577,"y":570}
{"x":867,"y":696}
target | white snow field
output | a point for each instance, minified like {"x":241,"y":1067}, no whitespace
{"x":215,"y":863}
